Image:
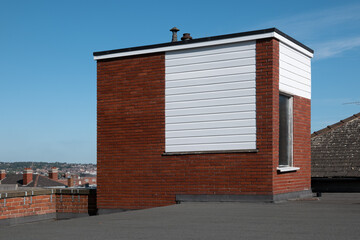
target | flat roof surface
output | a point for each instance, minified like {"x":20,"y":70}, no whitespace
{"x":334,"y":216}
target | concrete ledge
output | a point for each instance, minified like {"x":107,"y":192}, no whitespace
{"x":102,"y":211}
{"x":70,"y":191}
{"x":67,"y":215}
{"x":210,"y":152}
{"x":27,"y":219}
{"x":44,"y":191}
{"x":8,"y":187}
{"x":292,"y":195}
{"x":222,"y":198}
{"x":26,"y":193}
{"x":242,"y":198}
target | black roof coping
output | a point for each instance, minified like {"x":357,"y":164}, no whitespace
{"x":205,"y":39}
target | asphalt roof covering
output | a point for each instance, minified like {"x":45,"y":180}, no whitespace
{"x":38,"y":180}
{"x":335,"y":150}
{"x":205,"y":39}
{"x":334,"y":216}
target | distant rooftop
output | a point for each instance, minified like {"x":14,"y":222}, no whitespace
{"x":37,"y":181}
{"x":335,"y":150}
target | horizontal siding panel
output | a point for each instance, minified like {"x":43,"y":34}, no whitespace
{"x":211,"y":139}
{"x":211,"y":80}
{"x":211,"y":147}
{"x":285,"y":50}
{"x":294,"y":70}
{"x":210,"y":98}
{"x":283,"y":72}
{"x":210,"y":88}
{"x":210,"y":132}
{"x":210,"y":117}
{"x":211,"y":65}
{"x":210,"y":50}
{"x":212,"y":72}
{"x":210,"y":95}
{"x":298,"y":64}
{"x":211,"y":125}
{"x":211,"y":110}
{"x":211,"y":102}
{"x":210,"y":58}
{"x":299,"y":85}
{"x":291,"y":90}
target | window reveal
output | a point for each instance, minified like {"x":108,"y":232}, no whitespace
{"x":285,"y":130}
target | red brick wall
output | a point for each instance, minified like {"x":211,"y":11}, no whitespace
{"x":133,"y":174}
{"x":15,"y":207}
{"x":46,"y":202}
{"x":72,"y":204}
{"x":301,"y":179}
{"x":290,"y":181}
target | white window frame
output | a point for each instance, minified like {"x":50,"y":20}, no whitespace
{"x":289,"y":166}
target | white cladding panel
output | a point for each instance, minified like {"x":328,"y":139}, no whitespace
{"x":210,"y":98}
{"x":295,"y":72}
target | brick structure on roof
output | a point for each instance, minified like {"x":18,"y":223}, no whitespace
{"x":141,"y":166}
{"x":37,"y":204}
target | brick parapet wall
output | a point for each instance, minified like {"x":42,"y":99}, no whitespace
{"x":36,"y":202}
{"x":26,"y":206}
{"x":76,"y":201}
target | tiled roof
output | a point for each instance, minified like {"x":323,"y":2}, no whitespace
{"x":335,"y":150}
{"x":38,"y":181}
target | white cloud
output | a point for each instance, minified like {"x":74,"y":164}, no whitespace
{"x":336,"y":47}
{"x":318,"y":26}
{"x":309,"y":24}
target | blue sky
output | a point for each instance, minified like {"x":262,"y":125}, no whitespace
{"x":48,"y":75}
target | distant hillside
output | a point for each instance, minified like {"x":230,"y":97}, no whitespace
{"x":13,"y":167}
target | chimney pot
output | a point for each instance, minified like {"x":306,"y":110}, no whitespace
{"x":174,"y":31}
{"x":186,"y":37}
{"x":27,"y":176}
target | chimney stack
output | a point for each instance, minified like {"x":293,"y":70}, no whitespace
{"x":186,"y":37}
{"x":70,"y":181}
{"x":53,"y":173}
{"x":27,"y":176}
{"x":174,"y":31}
{"x":2,"y":174}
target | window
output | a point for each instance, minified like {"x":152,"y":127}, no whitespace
{"x":285,"y":130}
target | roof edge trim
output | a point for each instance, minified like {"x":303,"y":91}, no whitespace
{"x":208,"y":41}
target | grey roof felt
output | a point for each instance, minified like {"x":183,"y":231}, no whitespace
{"x":335,"y":150}
{"x":38,"y":181}
{"x":335,"y":216}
